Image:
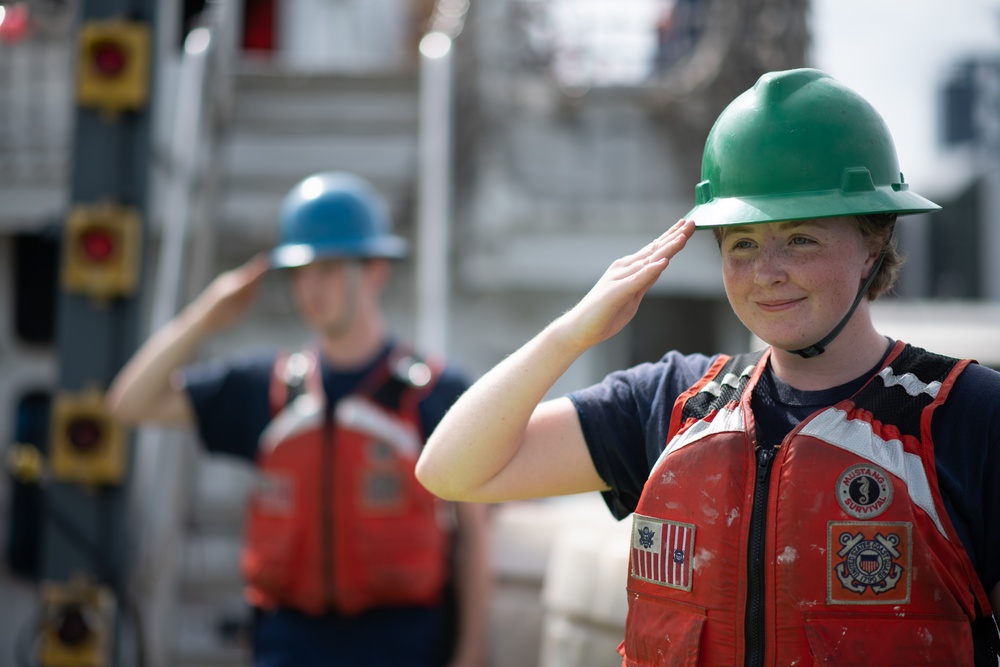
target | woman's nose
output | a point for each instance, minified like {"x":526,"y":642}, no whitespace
{"x":770,"y":267}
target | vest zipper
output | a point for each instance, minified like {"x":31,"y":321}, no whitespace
{"x":326,"y":511}
{"x":754,"y":618}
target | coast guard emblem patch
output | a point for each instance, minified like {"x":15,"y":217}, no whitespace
{"x":662,"y":551}
{"x":868,"y":563}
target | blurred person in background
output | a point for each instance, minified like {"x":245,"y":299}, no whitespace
{"x":829,"y":499}
{"x":348,"y":560}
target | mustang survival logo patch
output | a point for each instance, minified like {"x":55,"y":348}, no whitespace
{"x":864,"y":491}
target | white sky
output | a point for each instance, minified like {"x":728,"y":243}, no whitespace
{"x":898,"y":54}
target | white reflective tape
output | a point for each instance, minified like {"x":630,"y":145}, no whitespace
{"x":910,"y":383}
{"x":857,"y":436}
{"x":303,"y":414}
{"x":728,"y":420}
{"x":728,"y":380}
{"x":361,"y":415}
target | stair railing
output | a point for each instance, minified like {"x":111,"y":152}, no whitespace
{"x":165,"y":460}
{"x":435,"y":178}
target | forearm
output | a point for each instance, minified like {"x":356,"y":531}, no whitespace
{"x":484,"y":429}
{"x":498,"y":442}
{"x":145,"y":389}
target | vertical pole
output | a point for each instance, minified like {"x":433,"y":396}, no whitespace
{"x":988,"y":121}
{"x":434,"y":193}
{"x":84,"y":528}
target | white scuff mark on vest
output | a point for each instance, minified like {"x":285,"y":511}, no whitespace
{"x":711,"y":514}
{"x":668,"y":478}
{"x":358,"y":414}
{"x":732,"y":516}
{"x":818,"y":547}
{"x":702,"y":559}
{"x":788,"y":556}
{"x":925,"y":637}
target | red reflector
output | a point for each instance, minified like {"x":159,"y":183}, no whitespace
{"x":73,"y":628}
{"x":109,"y":58}
{"x":84,"y":434}
{"x":98,"y":245}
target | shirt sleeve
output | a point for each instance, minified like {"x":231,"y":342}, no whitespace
{"x":230,"y":399}
{"x":966,"y":433}
{"x":625,"y":419}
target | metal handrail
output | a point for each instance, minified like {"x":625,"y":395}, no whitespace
{"x":164,"y":459}
{"x":434,"y":183}
{"x":203,"y":79}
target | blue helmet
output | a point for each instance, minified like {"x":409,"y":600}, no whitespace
{"x":334,"y":214}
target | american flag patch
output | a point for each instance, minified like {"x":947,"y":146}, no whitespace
{"x":662,"y":551}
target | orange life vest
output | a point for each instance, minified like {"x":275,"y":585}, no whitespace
{"x":337,"y":520}
{"x":833,"y":548}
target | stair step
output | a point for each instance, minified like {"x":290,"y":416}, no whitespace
{"x":212,"y":634}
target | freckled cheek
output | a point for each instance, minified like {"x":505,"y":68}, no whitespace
{"x":829,"y":277}
{"x":735,"y":277}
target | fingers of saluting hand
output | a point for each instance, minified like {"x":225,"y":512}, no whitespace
{"x":669,"y":243}
{"x":613,"y":301}
{"x":256,"y":267}
{"x":656,"y":254}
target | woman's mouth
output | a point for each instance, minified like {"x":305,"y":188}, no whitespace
{"x":777,"y":305}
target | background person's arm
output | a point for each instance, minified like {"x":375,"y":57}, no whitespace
{"x":148,"y":388}
{"x":473,"y":585}
{"x":498,"y":442}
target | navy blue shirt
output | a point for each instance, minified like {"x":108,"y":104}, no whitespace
{"x":231,"y":403}
{"x":625,"y":419}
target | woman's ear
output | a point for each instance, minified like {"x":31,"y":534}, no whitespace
{"x":876,"y":247}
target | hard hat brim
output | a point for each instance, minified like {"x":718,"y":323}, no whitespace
{"x":299,"y":254}
{"x":721,"y":211}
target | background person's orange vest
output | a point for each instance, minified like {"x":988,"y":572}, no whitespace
{"x":337,"y":520}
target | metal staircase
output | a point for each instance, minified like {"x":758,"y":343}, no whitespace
{"x":285,"y":126}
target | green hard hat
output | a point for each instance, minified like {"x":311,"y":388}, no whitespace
{"x":799,"y":145}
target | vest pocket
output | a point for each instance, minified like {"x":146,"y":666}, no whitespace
{"x":662,"y":633}
{"x":851,"y":638}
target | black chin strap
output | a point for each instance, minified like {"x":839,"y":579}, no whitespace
{"x":818,"y":348}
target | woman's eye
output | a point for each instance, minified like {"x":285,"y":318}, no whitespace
{"x":801,"y":240}
{"x":742,"y":244}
